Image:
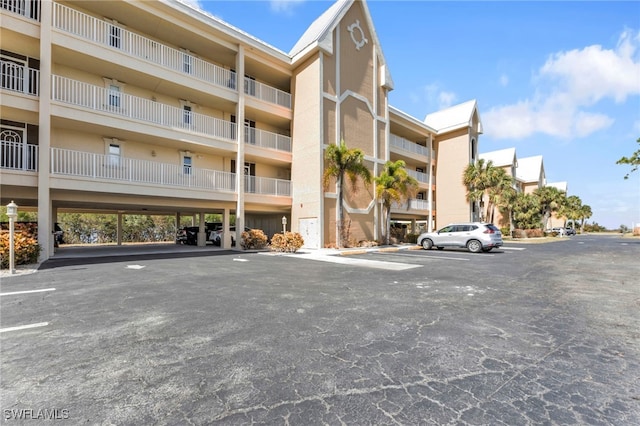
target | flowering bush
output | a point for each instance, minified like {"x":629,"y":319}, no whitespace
{"x":288,"y":243}
{"x":26,"y":248}
{"x":253,"y":239}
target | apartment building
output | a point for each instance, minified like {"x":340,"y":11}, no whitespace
{"x":507,"y":160}
{"x":135,"y":107}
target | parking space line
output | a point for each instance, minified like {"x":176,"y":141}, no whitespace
{"x":24,"y":327}
{"x":26,"y":292}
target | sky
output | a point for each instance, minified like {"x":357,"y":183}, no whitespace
{"x":557,"y":79}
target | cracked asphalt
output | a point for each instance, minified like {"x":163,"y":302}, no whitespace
{"x":528,"y":335}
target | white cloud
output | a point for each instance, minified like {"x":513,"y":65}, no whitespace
{"x":446,"y":99}
{"x":434,"y":96}
{"x":567,"y":84}
{"x":504,"y":80}
{"x":284,"y":6}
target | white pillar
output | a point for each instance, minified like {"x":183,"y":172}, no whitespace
{"x":240,"y":155}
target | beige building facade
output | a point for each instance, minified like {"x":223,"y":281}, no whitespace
{"x":159,"y":108}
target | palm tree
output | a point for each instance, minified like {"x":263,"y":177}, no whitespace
{"x":585,"y":213}
{"x":571,"y":209}
{"x":344,"y":162}
{"x":632,"y":160}
{"x":526,"y":211}
{"x":551,"y":199}
{"x":499,"y":182}
{"x":394,"y":185}
{"x":476,"y":178}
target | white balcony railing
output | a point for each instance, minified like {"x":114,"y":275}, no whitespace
{"x":407,"y":145}
{"x":267,"y":186}
{"x":19,"y":78}
{"x":109,"y":34}
{"x":413,"y":204}
{"x":27,"y":8}
{"x":99,"y":166}
{"x":112,"y":35}
{"x":419,"y":176}
{"x":115,"y":168}
{"x":266,"y":93}
{"x":18,"y":156}
{"x":101,"y":99}
{"x":266,"y":139}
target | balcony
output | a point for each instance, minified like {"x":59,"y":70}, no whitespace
{"x":18,"y":156}
{"x":98,"y":98}
{"x":19,"y":78}
{"x":108,"y":34}
{"x":27,"y":8}
{"x":121,"y":169}
{"x":269,"y":140}
{"x":412,"y":206}
{"x":266,"y":93}
{"x":407,"y":145}
{"x":419,"y":176}
{"x":267,"y":186}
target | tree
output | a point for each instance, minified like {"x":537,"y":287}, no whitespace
{"x":500,"y":185}
{"x":394,"y":185}
{"x":344,"y":162}
{"x":571,"y":209}
{"x":526,"y":211}
{"x":550,"y":200}
{"x":476,"y":177}
{"x":585,"y":213}
{"x":633,"y":160}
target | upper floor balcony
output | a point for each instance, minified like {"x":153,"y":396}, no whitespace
{"x":109,"y":101}
{"x":19,"y":78}
{"x":399,"y":143}
{"x":113,"y":36}
{"x":116,"y":168}
{"x":27,"y":8}
{"x":413,"y":206}
{"x":420,"y":176}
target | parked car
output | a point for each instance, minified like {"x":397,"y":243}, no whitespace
{"x":570,"y":231}
{"x":475,"y":236}
{"x":217,"y":235}
{"x":189,"y":234}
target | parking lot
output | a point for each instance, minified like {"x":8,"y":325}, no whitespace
{"x":528,"y":334}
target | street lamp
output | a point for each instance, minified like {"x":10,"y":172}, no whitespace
{"x":284,"y":225}
{"x":12,"y":213}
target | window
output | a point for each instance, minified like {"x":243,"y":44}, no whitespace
{"x":250,"y":131}
{"x":186,"y":115}
{"x":114,"y":96}
{"x":187,"y":62}
{"x":249,"y":85}
{"x":115,"y":154}
{"x":115,"y":36}
{"x":187,"y":162}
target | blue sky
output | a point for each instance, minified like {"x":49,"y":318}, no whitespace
{"x":558,"y":79}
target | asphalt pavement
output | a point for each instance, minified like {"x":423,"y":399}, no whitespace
{"x":525,"y":335}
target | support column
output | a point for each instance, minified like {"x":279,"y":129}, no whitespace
{"x":202,"y":232}
{"x":119,"y":229}
{"x":430,"y":193}
{"x":177,"y":225}
{"x":226,"y":225}
{"x":45,"y":236}
{"x":240,"y":154}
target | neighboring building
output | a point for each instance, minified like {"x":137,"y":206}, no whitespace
{"x":530,"y":174}
{"x":505,"y":159}
{"x":555,"y":220}
{"x":157,"y":108}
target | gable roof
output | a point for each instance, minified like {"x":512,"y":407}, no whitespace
{"x":501,"y":157}
{"x":562,"y":186}
{"x":453,"y":118}
{"x":318,"y":35}
{"x":530,"y":169}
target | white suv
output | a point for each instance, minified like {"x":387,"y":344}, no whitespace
{"x":475,"y":236}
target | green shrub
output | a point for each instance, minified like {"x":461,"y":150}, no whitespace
{"x":411,"y":238}
{"x":290,"y":242}
{"x":534,"y":233}
{"x":26,"y":248}
{"x":253,"y":239}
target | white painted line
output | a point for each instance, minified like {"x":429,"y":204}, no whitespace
{"x":26,"y":292}
{"x":135,"y":266}
{"x":378,"y":264}
{"x":240,"y":260}
{"x":24,"y":327}
{"x":511,"y":248}
{"x":432,"y":256}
